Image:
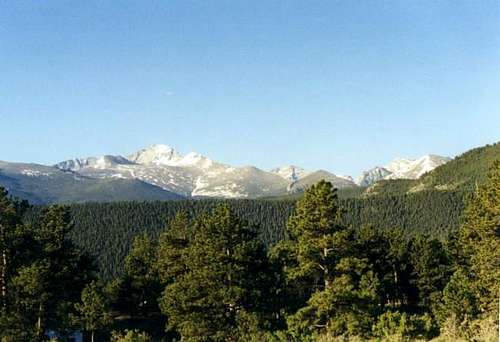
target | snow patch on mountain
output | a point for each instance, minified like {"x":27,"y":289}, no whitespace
{"x":373,"y":175}
{"x":291,"y":173}
{"x":195,"y":175}
{"x":414,"y":168}
{"x":103,"y":162}
{"x":402,"y":169}
{"x":35,"y":173}
{"x":157,"y":155}
{"x":192,"y":175}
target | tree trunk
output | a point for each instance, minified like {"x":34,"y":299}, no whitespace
{"x":3,"y":274}
{"x":39,"y":331}
{"x":92,"y":336}
{"x":3,"y":277}
{"x":325,"y":269}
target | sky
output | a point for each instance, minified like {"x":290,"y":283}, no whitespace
{"x":335,"y":85}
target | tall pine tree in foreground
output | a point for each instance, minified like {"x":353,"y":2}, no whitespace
{"x":218,"y":290}
{"x":321,"y":261}
{"x":42,"y":273}
{"x":470,"y":300}
{"x":93,"y":311}
{"x":480,"y":236}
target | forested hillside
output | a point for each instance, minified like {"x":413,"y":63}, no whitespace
{"x":106,"y":230}
{"x":432,"y":204}
{"x":460,"y":174}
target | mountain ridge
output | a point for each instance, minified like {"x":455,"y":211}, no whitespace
{"x":169,"y":174}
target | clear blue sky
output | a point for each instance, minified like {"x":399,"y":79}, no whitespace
{"x":338,"y":85}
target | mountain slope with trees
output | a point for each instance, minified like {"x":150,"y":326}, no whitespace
{"x":41,"y":184}
{"x":460,"y":174}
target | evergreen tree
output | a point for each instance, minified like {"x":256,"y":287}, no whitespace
{"x":223,"y":283}
{"x":141,"y":273}
{"x":173,"y":244}
{"x":135,"y":294}
{"x":30,"y":290}
{"x":43,"y":274}
{"x":130,"y":336}
{"x":10,"y":218}
{"x":459,"y":300}
{"x":431,"y":271}
{"x":480,"y":239}
{"x":93,"y":310}
{"x":321,"y":255}
{"x":70,"y":270}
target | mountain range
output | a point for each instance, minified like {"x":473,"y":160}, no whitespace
{"x":159,"y":172}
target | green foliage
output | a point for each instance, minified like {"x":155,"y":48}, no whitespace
{"x":459,"y":299}
{"x":41,"y":272}
{"x":345,"y":307}
{"x":224,"y":278}
{"x":173,"y":243}
{"x":141,"y":279}
{"x":106,"y":230}
{"x":320,"y":257}
{"x":480,"y":239}
{"x":93,"y":311}
{"x":431,"y":270}
{"x":468,"y":309}
{"x":397,"y":326}
{"x":316,"y":238}
{"x":130,"y":336}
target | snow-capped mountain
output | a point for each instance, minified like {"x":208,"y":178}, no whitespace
{"x":291,"y":173}
{"x":103,"y":162}
{"x":413,"y":169}
{"x":373,"y":175}
{"x":195,"y":175}
{"x":191,"y":175}
{"x":156,"y":155}
{"x":402,"y":169}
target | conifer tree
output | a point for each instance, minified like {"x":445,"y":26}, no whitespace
{"x":9,"y":220}
{"x":143,"y":288}
{"x":321,"y":255}
{"x":172,"y":246}
{"x":44,"y":276}
{"x":480,"y":239}
{"x":223,"y":283}
{"x":93,"y":310}
{"x":431,"y":271}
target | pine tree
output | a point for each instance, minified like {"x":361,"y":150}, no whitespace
{"x":143,"y":284}
{"x":69,"y":269}
{"x":431,"y":271}
{"x":480,"y":239}
{"x":31,"y":292}
{"x":93,"y":310}
{"x":130,"y":336}
{"x":316,"y":238}
{"x":224,"y":279}
{"x":9,"y":220}
{"x":44,"y":276}
{"x":172,"y":246}
{"x":321,"y":255}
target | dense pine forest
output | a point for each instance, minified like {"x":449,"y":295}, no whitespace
{"x":106,"y":230}
{"x":415,"y":266}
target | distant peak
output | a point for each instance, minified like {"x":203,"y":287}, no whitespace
{"x":157,"y":154}
{"x":290,"y":172}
